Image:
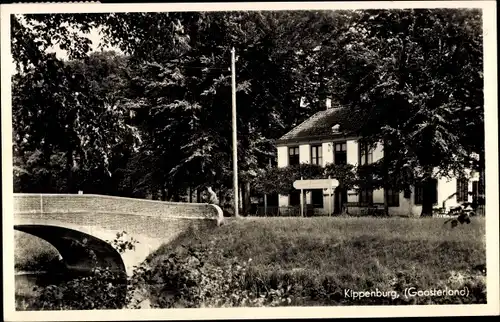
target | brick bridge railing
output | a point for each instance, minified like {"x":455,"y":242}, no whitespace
{"x":88,"y":203}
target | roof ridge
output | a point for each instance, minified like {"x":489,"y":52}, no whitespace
{"x":310,"y":119}
{"x":322,"y":123}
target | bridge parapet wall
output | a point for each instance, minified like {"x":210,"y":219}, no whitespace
{"x":72,"y":203}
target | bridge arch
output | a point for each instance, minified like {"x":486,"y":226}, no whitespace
{"x":150,"y":223}
{"x":81,"y":252}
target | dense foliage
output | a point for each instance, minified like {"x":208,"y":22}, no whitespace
{"x":155,"y":119}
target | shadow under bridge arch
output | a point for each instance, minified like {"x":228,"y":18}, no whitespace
{"x":81,"y":252}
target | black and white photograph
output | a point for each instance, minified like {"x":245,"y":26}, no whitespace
{"x":283,"y":159}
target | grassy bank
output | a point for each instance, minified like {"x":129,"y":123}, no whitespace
{"x":293,"y":261}
{"x":316,"y":259}
{"x":32,"y":253}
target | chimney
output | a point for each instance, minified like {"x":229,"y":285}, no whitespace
{"x":328,"y":103}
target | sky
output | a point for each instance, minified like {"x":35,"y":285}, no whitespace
{"x":94,"y":36}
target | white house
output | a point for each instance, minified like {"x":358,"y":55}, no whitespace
{"x":324,"y":138}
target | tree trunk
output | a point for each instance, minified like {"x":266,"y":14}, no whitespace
{"x":386,"y":190}
{"x":198,"y":195}
{"x":346,"y":208}
{"x":427,"y":193}
{"x":244,"y":198}
{"x":386,"y":200}
{"x":386,"y":186}
{"x":164,"y":193}
{"x":341,"y":201}
{"x":190,"y":195}
{"x":247,"y":200}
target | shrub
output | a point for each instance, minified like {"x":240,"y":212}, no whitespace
{"x":121,"y":244}
{"x":186,"y":279}
{"x":101,"y":288}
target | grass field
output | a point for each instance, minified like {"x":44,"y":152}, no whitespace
{"x":32,"y":253}
{"x":317,"y":259}
{"x":320,"y":257}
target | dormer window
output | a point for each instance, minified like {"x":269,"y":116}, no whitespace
{"x":336,"y":128}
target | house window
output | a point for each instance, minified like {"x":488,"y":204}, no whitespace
{"x":294,"y":198}
{"x":340,"y":153}
{"x":365,"y":154}
{"x":462,"y":189}
{"x":293,"y":155}
{"x":366,"y":197}
{"x":316,"y":155}
{"x":419,"y":192}
{"x":317,"y":198}
{"x":392,"y":198}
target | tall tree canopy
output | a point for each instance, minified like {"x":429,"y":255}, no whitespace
{"x":415,"y":76}
{"x":158,"y":117}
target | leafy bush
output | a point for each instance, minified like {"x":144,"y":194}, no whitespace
{"x":101,"y":288}
{"x":186,"y":279}
{"x":121,"y":244}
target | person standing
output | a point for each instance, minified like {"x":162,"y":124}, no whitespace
{"x":212,"y":196}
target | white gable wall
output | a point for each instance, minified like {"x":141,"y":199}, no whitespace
{"x":305,"y":153}
{"x":327,"y":153}
{"x":352,"y":152}
{"x":282,"y":156}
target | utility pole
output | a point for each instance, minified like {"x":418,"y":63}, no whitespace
{"x":235,"y":142}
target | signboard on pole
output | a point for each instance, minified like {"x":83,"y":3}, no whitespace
{"x":327,"y":185}
{"x":315,"y":184}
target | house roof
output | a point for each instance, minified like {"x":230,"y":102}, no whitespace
{"x":319,"y":126}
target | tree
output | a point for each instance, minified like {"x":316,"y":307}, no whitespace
{"x":397,"y":67}
{"x":79,"y":103}
{"x":280,"y":180}
{"x":400,"y":69}
{"x":191,"y":82}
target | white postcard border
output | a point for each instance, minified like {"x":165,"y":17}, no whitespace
{"x":492,"y":167}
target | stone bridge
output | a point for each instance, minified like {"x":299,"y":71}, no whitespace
{"x":82,"y":227}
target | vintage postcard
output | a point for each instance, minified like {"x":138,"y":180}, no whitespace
{"x":249,"y":160}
